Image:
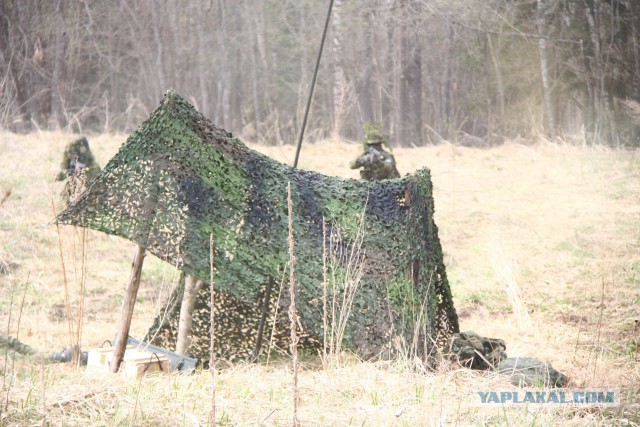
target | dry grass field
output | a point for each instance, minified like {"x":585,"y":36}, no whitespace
{"x":542,"y":248}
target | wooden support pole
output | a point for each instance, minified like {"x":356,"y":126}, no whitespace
{"x":191,"y":287}
{"x":127,"y":309}
{"x":263,"y":319}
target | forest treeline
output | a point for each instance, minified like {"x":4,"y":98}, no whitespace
{"x":471,"y":71}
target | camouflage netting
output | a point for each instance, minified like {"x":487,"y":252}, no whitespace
{"x":179,"y":178}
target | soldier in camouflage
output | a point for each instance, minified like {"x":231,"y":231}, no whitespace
{"x":376,"y":162}
{"x":481,"y":353}
{"x":77,"y":168}
{"x":476,"y":352}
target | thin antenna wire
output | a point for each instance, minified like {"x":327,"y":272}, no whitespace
{"x":313,"y":84}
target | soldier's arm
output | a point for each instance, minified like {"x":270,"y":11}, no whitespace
{"x":63,"y":173}
{"x":357,"y":163}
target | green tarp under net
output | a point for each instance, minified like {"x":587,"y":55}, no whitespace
{"x":179,"y":179}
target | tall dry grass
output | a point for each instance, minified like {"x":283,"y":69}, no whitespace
{"x":212,"y":337}
{"x":567,"y":219}
{"x":343,"y":269}
{"x":293,"y":311}
{"x":506,"y":271}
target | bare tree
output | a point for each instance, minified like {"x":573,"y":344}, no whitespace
{"x":58,"y":114}
{"x":338,"y":73}
{"x":409,"y":126}
{"x":543,"y":8}
{"x":424,"y":70}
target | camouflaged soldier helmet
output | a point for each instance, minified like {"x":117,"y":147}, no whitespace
{"x":373,"y":136}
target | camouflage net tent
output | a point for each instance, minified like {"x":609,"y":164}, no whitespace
{"x":178,"y":179}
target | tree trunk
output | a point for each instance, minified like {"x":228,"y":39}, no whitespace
{"x":254,"y":88}
{"x":549,"y":114}
{"x":58,"y":119}
{"x":635,"y":35}
{"x":496,"y":67}
{"x":635,"y":81}
{"x":159,"y":68}
{"x":338,"y":72}
{"x":223,"y":104}
{"x":265,"y":77}
{"x":410,"y":100}
{"x":203,"y":63}
{"x":605,"y":126}
{"x":12,"y":97}
{"x":365,"y":78}
{"x":446,"y":102}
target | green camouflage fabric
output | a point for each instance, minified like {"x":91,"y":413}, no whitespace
{"x":179,"y":179}
{"x":476,"y":352}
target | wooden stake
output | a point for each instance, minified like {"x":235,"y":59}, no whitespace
{"x":127,"y":309}
{"x":263,"y":319}
{"x":191,"y":287}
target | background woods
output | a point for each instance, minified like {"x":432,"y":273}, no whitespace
{"x":472,"y":71}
